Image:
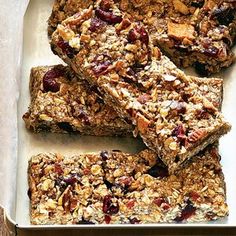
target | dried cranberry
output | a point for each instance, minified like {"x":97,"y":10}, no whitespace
{"x":49,"y":82}
{"x":66,"y":48}
{"x":100,"y":67}
{"x":65,"y":126}
{"x":134,"y":220}
{"x":186,"y":213}
{"x":108,"y":206}
{"x":105,"y":5}
{"x":180,"y":133}
{"x":224,"y":15}
{"x":202,"y":114}
{"x":130,"y":204}
{"x":107,"y":16}
{"x":158,"y":171}
{"x":197,"y":3}
{"x":107,"y":219}
{"x":58,"y":169}
{"x":194,"y":195}
{"x":138,"y":33}
{"x":96,"y":24}
{"x":211,"y":51}
{"x":158,"y":201}
{"x":104,"y":155}
{"x":125,"y":180}
{"x":70,"y":180}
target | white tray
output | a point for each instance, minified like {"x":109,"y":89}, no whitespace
{"x":36,"y":51}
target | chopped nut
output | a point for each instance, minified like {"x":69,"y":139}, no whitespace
{"x":180,"y":7}
{"x":181,"y":31}
{"x":96,"y":169}
{"x":173,"y":146}
{"x":142,"y":124}
{"x":45,"y":117}
{"x":47,"y":184}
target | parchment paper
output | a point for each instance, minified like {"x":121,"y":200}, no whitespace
{"x":11,"y":24}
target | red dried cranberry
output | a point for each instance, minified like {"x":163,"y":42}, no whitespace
{"x":100,"y":67}
{"x":86,"y":171}
{"x":211,"y":51}
{"x":107,"y":219}
{"x":158,"y":201}
{"x":125,"y":180}
{"x":138,"y":33}
{"x":49,"y":82}
{"x":180,"y":133}
{"x":71,"y":180}
{"x":130,"y":204}
{"x":186,"y":213}
{"x":202,"y":114}
{"x":96,"y":24}
{"x":165,"y":206}
{"x":194,"y":195}
{"x":58,"y":169}
{"x":105,"y":5}
{"x":66,"y":48}
{"x":158,"y":171}
{"x":107,"y":16}
{"x":134,"y":220}
{"x":104,"y":155}
{"x":65,"y":126}
{"x":108,"y":206}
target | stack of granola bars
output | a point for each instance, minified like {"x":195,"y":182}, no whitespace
{"x":119,"y":82}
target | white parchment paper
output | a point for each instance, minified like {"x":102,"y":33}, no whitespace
{"x":11,"y":24}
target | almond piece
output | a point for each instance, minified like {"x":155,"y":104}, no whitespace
{"x":180,"y":31}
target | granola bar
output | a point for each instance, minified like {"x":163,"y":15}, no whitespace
{"x":199,"y":33}
{"x":115,"y":187}
{"x":52,"y":111}
{"x":62,"y":103}
{"x":115,"y":54}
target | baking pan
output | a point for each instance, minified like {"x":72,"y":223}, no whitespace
{"x":36,"y":51}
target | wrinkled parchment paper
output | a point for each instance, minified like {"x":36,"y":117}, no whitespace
{"x":11,"y":25}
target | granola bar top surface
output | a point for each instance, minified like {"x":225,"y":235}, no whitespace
{"x":199,"y":33}
{"x":116,"y":187}
{"x":114,"y":53}
{"x":53,"y":110}
{"x":60,"y":102}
